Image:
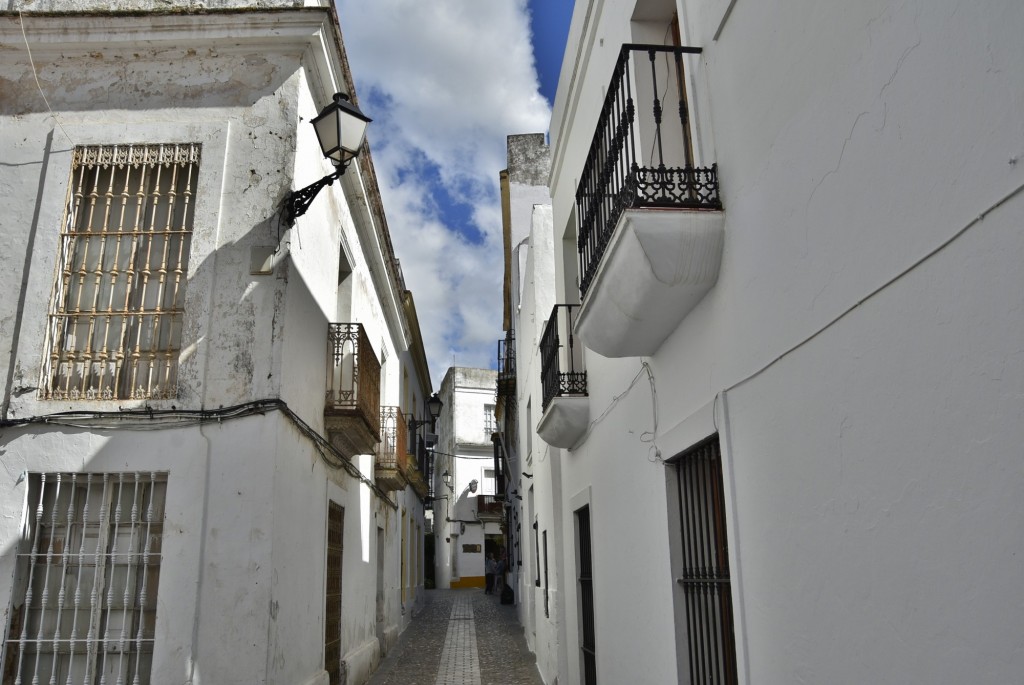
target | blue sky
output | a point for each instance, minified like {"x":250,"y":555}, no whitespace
{"x":445,"y":82}
{"x":549,"y":25}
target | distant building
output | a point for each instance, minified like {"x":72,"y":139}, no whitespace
{"x":767,"y":369}
{"x":467,"y":515}
{"x":203,"y":416}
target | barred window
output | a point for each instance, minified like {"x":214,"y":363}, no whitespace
{"x":85,"y":585}
{"x":705,"y":571}
{"x":332,"y":593}
{"x":116,"y":312}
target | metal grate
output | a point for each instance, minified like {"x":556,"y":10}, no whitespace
{"x":588,"y":633}
{"x":332,"y":593}
{"x":116,"y":314}
{"x":507,"y":365}
{"x":705,"y":578}
{"x":85,"y":589}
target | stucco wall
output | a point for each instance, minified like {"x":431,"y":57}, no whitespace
{"x":544,"y":630}
{"x":243,"y":565}
{"x":868,"y":470}
{"x":465,"y":452}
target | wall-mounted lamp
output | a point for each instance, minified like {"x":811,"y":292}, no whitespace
{"x":434,"y":405}
{"x":341,"y":129}
{"x":446,"y":478}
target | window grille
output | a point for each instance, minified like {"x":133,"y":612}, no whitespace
{"x":85,"y":587}
{"x":585,"y":578}
{"x":116,"y":313}
{"x":332,"y":594}
{"x":705,"y":578}
{"x":547,"y":607}
{"x":536,"y":554}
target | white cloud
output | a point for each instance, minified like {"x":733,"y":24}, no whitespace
{"x":450,"y":79}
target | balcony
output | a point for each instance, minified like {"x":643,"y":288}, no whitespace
{"x":392,"y":459}
{"x":650,"y":222}
{"x":489,"y":508}
{"x":418,"y":482}
{"x":507,"y":366}
{"x":563,"y":380}
{"x":352,"y":411}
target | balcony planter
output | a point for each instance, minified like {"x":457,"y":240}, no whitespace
{"x":658,"y":265}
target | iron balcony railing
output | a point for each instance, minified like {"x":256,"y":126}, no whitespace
{"x":507,"y":358}
{"x":394,"y":436}
{"x":638,"y":157}
{"x":353,"y":374}
{"x":562,"y":368}
{"x":428,"y":502}
{"x":489,"y":505}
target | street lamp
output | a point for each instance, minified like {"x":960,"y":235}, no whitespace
{"x":341,"y":129}
{"x":434,"y":405}
{"x":446,"y":478}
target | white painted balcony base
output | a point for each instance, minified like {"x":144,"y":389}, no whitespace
{"x":657,"y":267}
{"x":564,"y":421}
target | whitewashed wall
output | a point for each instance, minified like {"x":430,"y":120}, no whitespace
{"x":871,"y":470}
{"x":544,"y":630}
{"x":243,"y":565}
{"x":465,"y":392}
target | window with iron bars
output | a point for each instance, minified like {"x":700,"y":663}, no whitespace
{"x":705,"y":565}
{"x":118,"y":299}
{"x":85,"y":586}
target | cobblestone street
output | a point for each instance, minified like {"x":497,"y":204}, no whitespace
{"x":460,"y":637}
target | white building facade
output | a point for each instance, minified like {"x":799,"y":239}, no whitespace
{"x":532,"y":479}
{"x":204,"y":407}
{"x":773,"y":383}
{"x":467,"y":515}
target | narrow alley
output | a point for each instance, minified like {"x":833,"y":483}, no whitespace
{"x":460,"y":637}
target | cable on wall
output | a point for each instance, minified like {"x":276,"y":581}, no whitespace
{"x":35,"y":75}
{"x":461,"y":456}
{"x":647,"y":437}
{"x":148,"y":419}
{"x":849,"y":310}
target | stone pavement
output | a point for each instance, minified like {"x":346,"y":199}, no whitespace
{"x":460,"y":637}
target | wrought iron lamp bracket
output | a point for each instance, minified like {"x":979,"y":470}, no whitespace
{"x":298,"y":201}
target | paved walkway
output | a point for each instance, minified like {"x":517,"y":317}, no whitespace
{"x":460,"y":637}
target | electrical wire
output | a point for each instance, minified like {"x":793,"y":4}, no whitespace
{"x":35,"y":75}
{"x":148,"y":419}
{"x":849,"y":310}
{"x":651,"y":436}
{"x":461,"y":456}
